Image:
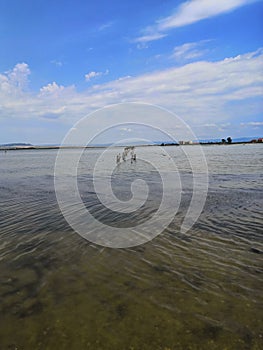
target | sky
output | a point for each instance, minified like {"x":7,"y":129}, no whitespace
{"x":61,"y":60}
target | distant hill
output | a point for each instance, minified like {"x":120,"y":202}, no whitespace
{"x":15,"y":144}
{"x":239,"y":139}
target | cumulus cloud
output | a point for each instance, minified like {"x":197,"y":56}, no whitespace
{"x":53,"y":91}
{"x":15,"y":80}
{"x":190,"y":12}
{"x":93,"y":74}
{"x":200,"y":92}
{"x":51,"y":88}
{"x":19,"y":75}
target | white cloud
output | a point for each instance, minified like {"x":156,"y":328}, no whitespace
{"x":19,"y":75}
{"x":126,"y":129}
{"x":197,"y":83}
{"x":4,"y":83}
{"x":93,"y":74}
{"x":210,"y":125}
{"x":53,"y":91}
{"x":256,"y":123}
{"x":226,"y":91}
{"x":105,"y":26}
{"x":190,"y":12}
{"x":15,"y":80}
{"x":195,"y":10}
{"x":57,"y":63}
{"x":149,"y":37}
{"x":252,"y":124}
{"x":189,"y":51}
{"x":51,"y":88}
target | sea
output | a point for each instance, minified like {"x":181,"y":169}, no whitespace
{"x":177,"y":290}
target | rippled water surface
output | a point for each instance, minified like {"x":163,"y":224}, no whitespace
{"x":202,"y":290}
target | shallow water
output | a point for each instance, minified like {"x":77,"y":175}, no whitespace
{"x":202,"y":290}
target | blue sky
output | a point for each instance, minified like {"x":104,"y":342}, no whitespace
{"x":60,"y":60}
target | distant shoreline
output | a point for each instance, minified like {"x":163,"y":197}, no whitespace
{"x":24,"y":148}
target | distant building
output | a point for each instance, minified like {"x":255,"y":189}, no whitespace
{"x":260,"y":140}
{"x":185,"y":142}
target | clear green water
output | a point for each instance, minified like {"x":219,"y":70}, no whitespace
{"x":202,"y":291}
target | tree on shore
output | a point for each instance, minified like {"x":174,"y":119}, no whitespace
{"x":229,"y":140}
{"x":223,"y":141}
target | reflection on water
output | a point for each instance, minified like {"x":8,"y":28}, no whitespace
{"x":200,"y":291}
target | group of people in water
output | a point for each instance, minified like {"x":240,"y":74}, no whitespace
{"x":125,"y":153}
